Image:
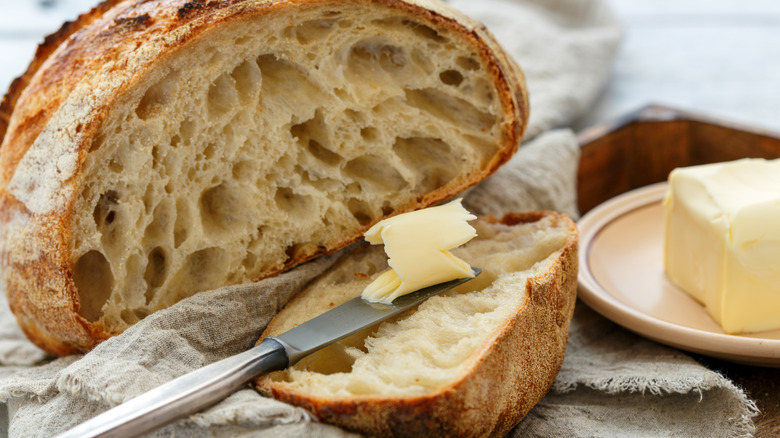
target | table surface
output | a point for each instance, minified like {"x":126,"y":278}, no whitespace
{"x":717,"y":57}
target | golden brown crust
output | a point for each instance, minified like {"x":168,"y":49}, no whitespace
{"x":35,"y":252}
{"x":512,"y":375}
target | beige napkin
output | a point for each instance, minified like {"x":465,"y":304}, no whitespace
{"x":612,"y":383}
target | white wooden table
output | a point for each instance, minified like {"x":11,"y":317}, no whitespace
{"x":719,"y":57}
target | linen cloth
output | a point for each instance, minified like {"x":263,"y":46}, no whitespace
{"x":612,"y":383}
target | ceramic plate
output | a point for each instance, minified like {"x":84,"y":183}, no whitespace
{"x":622,"y":277}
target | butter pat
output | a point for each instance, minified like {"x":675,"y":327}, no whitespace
{"x":722,"y":240}
{"x":417,"y":245}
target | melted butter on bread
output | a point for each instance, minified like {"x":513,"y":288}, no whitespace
{"x":418,"y":245}
{"x":722,"y":240}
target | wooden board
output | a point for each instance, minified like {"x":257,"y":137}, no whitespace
{"x":642,"y":148}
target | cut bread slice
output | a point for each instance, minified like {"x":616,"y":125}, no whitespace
{"x":470,"y":362}
{"x":156,"y":149}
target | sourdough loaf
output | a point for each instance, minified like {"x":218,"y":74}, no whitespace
{"x":470,"y":362}
{"x":154,"y":149}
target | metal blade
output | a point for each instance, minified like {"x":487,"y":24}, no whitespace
{"x":351,"y":317}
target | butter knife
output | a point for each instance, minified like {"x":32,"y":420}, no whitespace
{"x":206,"y":386}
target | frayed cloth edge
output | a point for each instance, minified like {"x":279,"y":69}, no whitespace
{"x":75,"y":386}
{"x":742,"y":421}
{"x":654,"y":386}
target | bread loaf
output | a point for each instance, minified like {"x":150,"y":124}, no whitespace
{"x":155,"y":149}
{"x":470,"y":362}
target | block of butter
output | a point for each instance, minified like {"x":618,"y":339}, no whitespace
{"x":722,"y":240}
{"x":417,"y":245}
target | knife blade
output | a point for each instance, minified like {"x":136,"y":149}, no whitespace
{"x":206,"y":386}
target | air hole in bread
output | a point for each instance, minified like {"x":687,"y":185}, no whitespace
{"x":433,"y":159}
{"x":103,"y":213}
{"x":249,"y":262}
{"x":356,"y":117}
{"x":222,"y":96}
{"x":341,"y":93}
{"x":369,"y":134}
{"x":96,"y":143}
{"x":240,"y":41}
{"x":187,"y":130}
{"x":182,"y":223}
{"x":115,"y":166}
{"x":459,"y":112}
{"x":451,"y":77}
{"x":296,"y":206}
{"x":209,"y":151}
{"x":246,"y":170}
{"x":421,"y":30}
{"x":314,"y":30}
{"x":424,"y":31}
{"x":293,"y":250}
{"x":353,"y":189}
{"x":376,"y":172}
{"x":94,"y":281}
{"x":149,"y":198}
{"x":422,"y":60}
{"x":360,"y":210}
{"x":221,"y":208}
{"x":467,"y":63}
{"x":133,"y":278}
{"x":479,"y":90}
{"x":155,"y":156}
{"x":389,"y":107}
{"x":161,"y":225}
{"x":300,"y":132}
{"x":211,"y":55}
{"x":323,"y":154}
{"x":313,"y":135}
{"x":157,"y":97}
{"x":364,"y":56}
{"x":155,"y":273}
{"x":286,"y":89}
{"x":247,"y":79}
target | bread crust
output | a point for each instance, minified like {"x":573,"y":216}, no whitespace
{"x":91,"y":53}
{"x":510,"y":376}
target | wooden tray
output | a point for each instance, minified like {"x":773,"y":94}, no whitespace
{"x":642,"y":148}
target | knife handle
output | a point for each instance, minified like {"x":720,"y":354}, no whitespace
{"x":184,"y":395}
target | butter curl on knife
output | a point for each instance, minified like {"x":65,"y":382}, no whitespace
{"x":418,"y":246}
